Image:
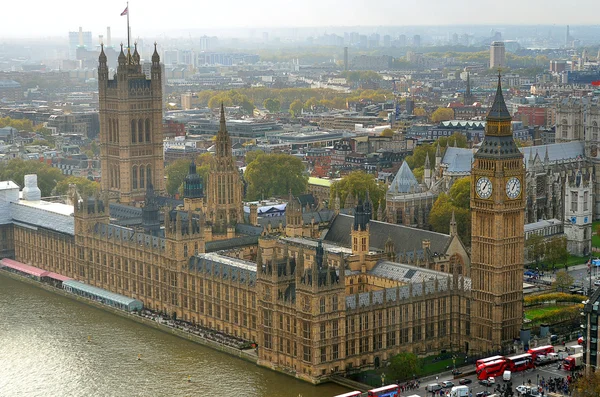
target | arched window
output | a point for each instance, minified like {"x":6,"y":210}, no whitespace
{"x":115,"y":123}
{"x":110,"y":130}
{"x":134,"y":176}
{"x":141,"y":130}
{"x":142,"y":179}
{"x":565,"y":128}
{"x":148,"y":130}
{"x":149,"y":175}
{"x":594,"y":130}
{"x":133,"y":134}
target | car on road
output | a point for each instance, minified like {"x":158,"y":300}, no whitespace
{"x":446,"y":384}
{"x":597,"y":283}
{"x":486,"y":382}
{"x":483,"y":394}
{"x":522,"y":389}
{"x":553,"y":338}
{"x":465,"y":381}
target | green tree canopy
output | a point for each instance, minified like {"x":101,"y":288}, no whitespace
{"x":442,"y":114}
{"x":388,"y":133}
{"x":296,"y":108}
{"x":271,"y":175}
{"x":556,"y":251}
{"x":357,"y":183}
{"x":457,"y":200}
{"x":404,"y":366}
{"x":176,"y":172}
{"x":16,"y":169}
{"x":535,"y":248}
{"x":272,"y":105}
{"x":588,"y":385}
{"x":563,"y":281}
{"x":85,"y":187}
{"x":252,"y":155}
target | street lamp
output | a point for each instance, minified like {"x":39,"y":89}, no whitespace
{"x":382,"y":379}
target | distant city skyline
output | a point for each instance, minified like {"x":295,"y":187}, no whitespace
{"x":153,"y":18}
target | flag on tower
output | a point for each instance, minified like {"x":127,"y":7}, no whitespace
{"x":125,"y":12}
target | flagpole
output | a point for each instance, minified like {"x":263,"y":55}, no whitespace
{"x":128,"y":45}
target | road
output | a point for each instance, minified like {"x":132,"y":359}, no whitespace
{"x":518,"y":378}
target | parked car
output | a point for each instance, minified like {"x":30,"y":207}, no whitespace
{"x":446,"y":384}
{"x":483,"y":394}
{"x":465,"y":381}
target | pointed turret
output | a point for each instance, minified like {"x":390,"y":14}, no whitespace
{"x":427,"y":163}
{"x":136,"y":55}
{"x":498,"y":111}
{"x":102,"y":56}
{"x":223,"y":142}
{"x":453,"y":228}
{"x":468,"y":99}
{"x":122,"y":59}
{"x":155,"y":56}
{"x":546,"y":157}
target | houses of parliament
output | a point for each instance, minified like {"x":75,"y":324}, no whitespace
{"x":317,"y":298}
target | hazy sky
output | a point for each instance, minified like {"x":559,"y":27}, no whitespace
{"x":34,"y":18}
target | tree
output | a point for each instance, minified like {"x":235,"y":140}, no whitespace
{"x":458,"y":201}
{"x":535,"y":248}
{"x":556,"y":251}
{"x":271,"y":175}
{"x":252,"y":155}
{"x":404,"y":366}
{"x":588,"y":385}
{"x":296,"y":108}
{"x":442,"y":114}
{"x":563,"y":281}
{"x":357,"y":183}
{"x":417,"y":159}
{"x":176,"y":172}
{"x":85,"y":187}
{"x":388,"y":133}
{"x":47,"y":176}
{"x":420,"y":112}
{"x":272,"y":105}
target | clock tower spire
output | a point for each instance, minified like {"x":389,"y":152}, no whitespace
{"x":497,"y":215}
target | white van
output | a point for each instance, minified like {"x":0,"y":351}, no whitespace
{"x":506,"y":376}
{"x":433,"y":387}
{"x":459,"y":391}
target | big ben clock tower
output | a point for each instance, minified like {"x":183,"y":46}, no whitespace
{"x":497,"y":215}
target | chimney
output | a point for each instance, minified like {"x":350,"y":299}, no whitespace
{"x":108,"y":36}
{"x":31,"y":192}
{"x":80,"y":35}
{"x":426,"y":244}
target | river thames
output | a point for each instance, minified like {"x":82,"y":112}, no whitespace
{"x":44,"y":351}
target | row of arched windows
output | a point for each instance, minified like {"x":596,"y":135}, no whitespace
{"x":140,"y":131}
{"x":113,"y":130}
{"x":114,"y":178}
{"x":141,"y":175}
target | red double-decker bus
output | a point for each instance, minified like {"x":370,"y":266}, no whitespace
{"x":491,"y":369}
{"x":520,"y":362}
{"x":488,"y":360}
{"x":385,"y":391}
{"x":541,"y":351}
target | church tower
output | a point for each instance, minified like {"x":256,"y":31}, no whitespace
{"x":224,"y":188}
{"x":497,"y":214}
{"x":131,"y":141}
{"x":468,"y":97}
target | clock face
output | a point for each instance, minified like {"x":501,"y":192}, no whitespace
{"x":513,"y":188}
{"x":484,"y":187}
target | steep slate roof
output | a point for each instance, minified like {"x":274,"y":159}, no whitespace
{"x":458,"y":159}
{"x":498,"y":111}
{"x":404,"y":238}
{"x":557,"y":152}
{"x":405,"y":180}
